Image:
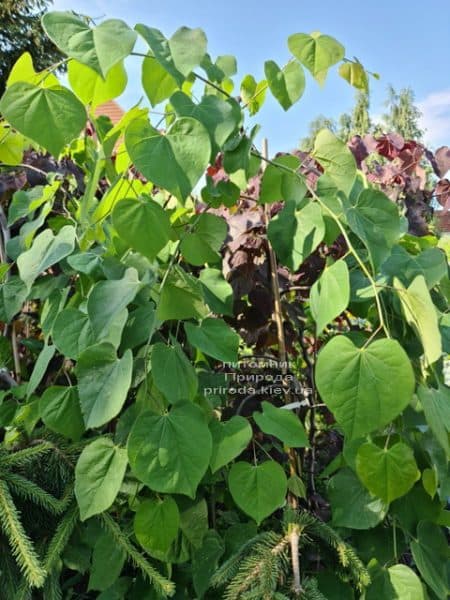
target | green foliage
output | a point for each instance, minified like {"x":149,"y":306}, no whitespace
{"x":98,"y":476}
{"x":170,"y":453}
{"x":179,"y":376}
{"x":21,"y":33}
{"x":330,"y":294}
{"x":258,"y":490}
{"x":355,"y":383}
{"x":388,"y":473}
{"x":283,"y":424}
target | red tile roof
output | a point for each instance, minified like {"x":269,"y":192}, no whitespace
{"x":110,"y":109}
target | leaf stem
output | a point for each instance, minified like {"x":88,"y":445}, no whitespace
{"x":344,"y":235}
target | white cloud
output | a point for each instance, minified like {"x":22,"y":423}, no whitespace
{"x":435,"y":120}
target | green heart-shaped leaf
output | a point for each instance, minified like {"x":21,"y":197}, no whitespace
{"x":170,"y":453}
{"x":156,"y":525}
{"x":202,"y":245}
{"x":375,"y":220}
{"x":388,"y":473}
{"x":283,"y":424}
{"x":173,"y":373}
{"x":60,"y":410}
{"x":100,"y":48}
{"x":51,"y":117}
{"x":286,"y":84}
{"x":330,"y":294}
{"x":98,"y":476}
{"x":215,"y":338}
{"x":103,"y":383}
{"x":357,"y":383}
{"x":295,"y":234}
{"x":174,"y":161}
{"x":91,"y":88}
{"x":143,"y":224}
{"x":355,"y":74}
{"x":229,"y":440}
{"x":220,"y":117}
{"x":363,"y":512}
{"x":337,"y":160}
{"x":47,"y":249}
{"x":317,"y":52}
{"x":258,"y":490}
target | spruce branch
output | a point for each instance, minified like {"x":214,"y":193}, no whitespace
{"x":24,"y":456}
{"x":257,"y":572}
{"x":52,"y":588}
{"x":21,"y":546}
{"x":164,"y":586}
{"x":28,"y":490}
{"x":61,"y":537}
{"x":8,"y":573}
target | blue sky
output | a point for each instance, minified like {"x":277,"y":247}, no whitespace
{"x":407,"y":43}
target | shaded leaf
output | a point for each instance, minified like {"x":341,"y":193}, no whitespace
{"x":98,"y":476}
{"x":258,"y":490}
{"x":170,"y":453}
{"x":283,"y":424}
{"x":214,"y":338}
{"x":103,"y":383}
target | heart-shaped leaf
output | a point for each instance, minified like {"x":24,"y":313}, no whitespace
{"x":421,"y":314}
{"x":317,"y":52}
{"x":187,"y":47}
{"x":47,"y":249}
{"x":173,"y":374}
{"x":218,"y":292}
{"x":279,"y":184}
{"x":215,"y":338}
{"x":156,"y":525}
{"x":108,"y":299}
{"x":295,"y":234}
{"x":72,"y":332}
{"x":158,"y":84}
{"x":336,"y":159}
{"x":60,"y":410}
{"x":100,"y":48}
{"x":230,"y":438}
{"x":431,"y":263}
{"x":286,"y":84}
{"x":98,"y":476}
{"x":103,"y":383}
{"x":51,"y":117}
{"x":143,"y":224}
{"x":330,"y":294}
{"x":355,"y":74}
{"x":258,"y":490}
{"x":202,"y":245}
{"x":356,"y":383}
{"x":174,"y":161}
{"x":91,"y":88}
{"x":388,"y":473}
{"x":363,"y":512}
{"x":170,"y":453}
{"x":283,"y":424}
{"x":178,"y":56}
{"x":220,"y":117}
{"x":181,"y":297}
{"x":375,"y":220}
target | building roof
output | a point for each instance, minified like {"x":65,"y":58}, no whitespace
{"x":110,"y":109}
